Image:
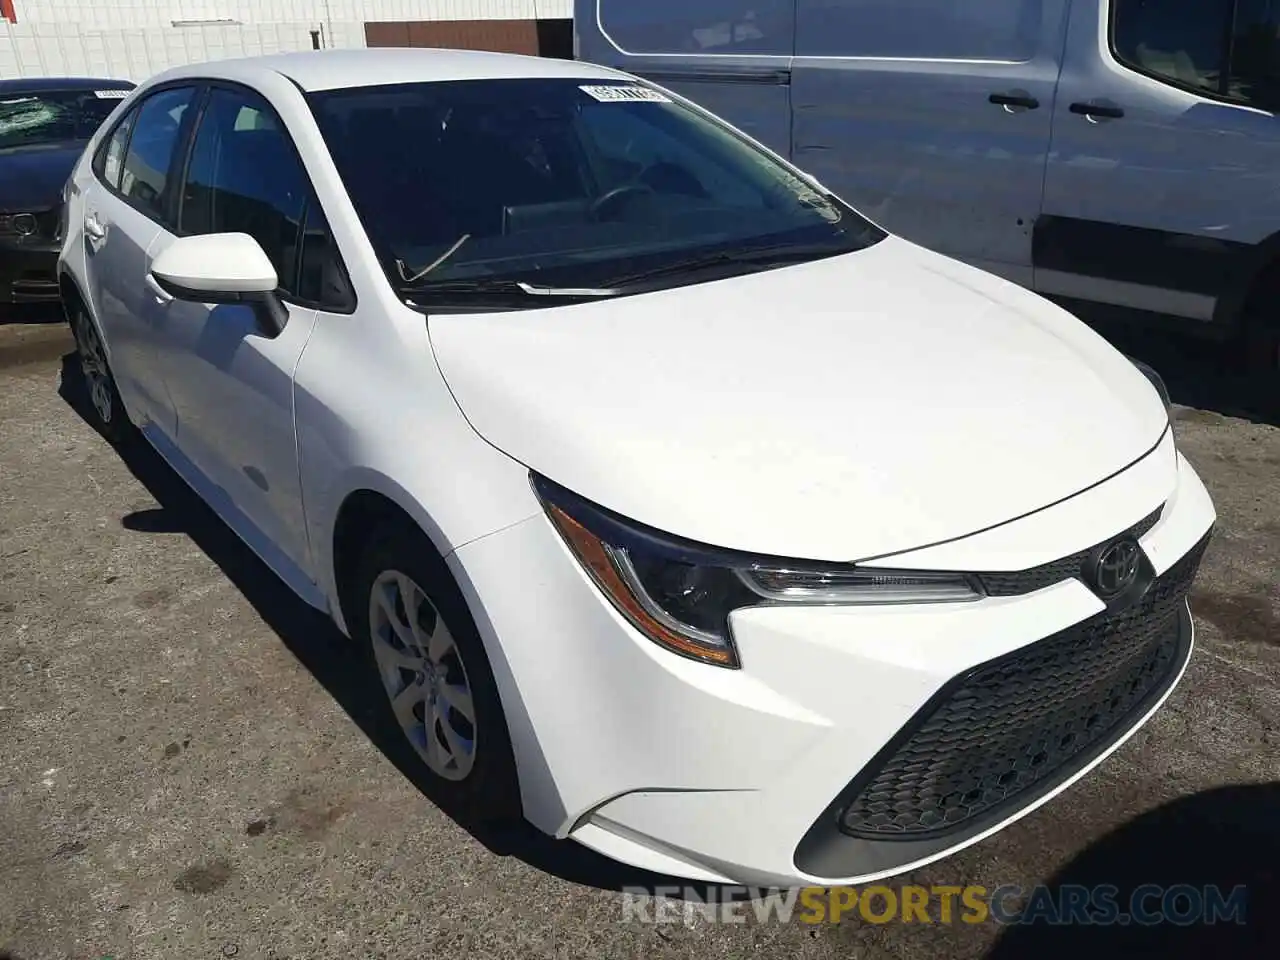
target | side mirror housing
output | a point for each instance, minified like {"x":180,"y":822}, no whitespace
{"x":222,"y":268}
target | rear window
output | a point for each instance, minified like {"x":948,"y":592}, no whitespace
{"x":49,"y":117}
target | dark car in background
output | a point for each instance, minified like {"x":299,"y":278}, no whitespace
{"x":44,"y":125}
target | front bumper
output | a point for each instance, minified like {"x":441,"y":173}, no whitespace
{"x":742,"y":775}
{"x":28,"y":271}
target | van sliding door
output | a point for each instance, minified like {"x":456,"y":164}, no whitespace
{"x":932,"y":117}
{"x":732,"y":57}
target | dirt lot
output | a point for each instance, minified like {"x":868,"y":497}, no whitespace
{"x":190,"y":766}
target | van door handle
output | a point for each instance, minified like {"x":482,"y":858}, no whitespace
{"x":1015,"y":99}
{"x":1093,"y":111}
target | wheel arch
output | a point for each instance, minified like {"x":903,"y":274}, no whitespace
{"x":70,"y":291}
{"x":1256,"y":266}
{"x":368,"y":505}
{"x":362,"y":510}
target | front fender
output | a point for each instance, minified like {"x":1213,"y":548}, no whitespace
{"x":393,"y":429}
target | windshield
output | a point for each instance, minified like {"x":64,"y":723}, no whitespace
{"x":55,"y":116}
{"x":564,"y":183}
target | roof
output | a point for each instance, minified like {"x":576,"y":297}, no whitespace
{"x":379,"y":66}
{"x":44,"y":84}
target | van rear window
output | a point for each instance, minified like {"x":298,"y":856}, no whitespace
{"x":755,"y":27}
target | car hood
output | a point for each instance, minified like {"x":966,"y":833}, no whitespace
{"x":31,"y":178}
{"x":841,"y":409}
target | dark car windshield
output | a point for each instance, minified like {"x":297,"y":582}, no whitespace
{"x":564,"y":182}
{"x":53,"y":116}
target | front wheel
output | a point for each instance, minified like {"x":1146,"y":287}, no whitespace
{"x":422,"y":643}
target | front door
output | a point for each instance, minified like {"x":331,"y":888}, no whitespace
{"x":231,"y":379}
{"x":1165,"y":165}
{"x":932,"y":117}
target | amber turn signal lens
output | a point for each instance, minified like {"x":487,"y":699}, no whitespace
{"x":598,"y":559}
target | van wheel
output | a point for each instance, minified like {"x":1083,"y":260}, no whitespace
{"x":420,"y":640}
{"x":1262,"y":346}
{"x":1260,"y":325}
{"x":109,"y":416}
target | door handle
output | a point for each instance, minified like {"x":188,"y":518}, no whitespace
{"x":1016,"y":99}
{"x":160,"y":293}
{"x":1093,"y":111}
{"x":94,"y":227}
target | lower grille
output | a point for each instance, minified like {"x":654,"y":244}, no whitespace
{"x":1006,"y":727}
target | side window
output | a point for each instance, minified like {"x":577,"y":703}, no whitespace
{"x":708,"y":26}
{"x":1255,"y":54}
{"x":245,"y":177}
{"x":1003,"y":30}
{"x":1182,"y":42}
{"x":156,"y":132}
{"x":322,"y":276}
{"x":110,"y":159}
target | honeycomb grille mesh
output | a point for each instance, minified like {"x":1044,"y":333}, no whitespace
{"x":1047,"y":574}
{"x":1010,"y":724}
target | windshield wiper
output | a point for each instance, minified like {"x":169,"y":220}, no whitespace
{"x":496,"y":286}
{"x":771,"y":254}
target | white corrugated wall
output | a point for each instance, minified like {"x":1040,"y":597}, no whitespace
{"x":133,"y":39}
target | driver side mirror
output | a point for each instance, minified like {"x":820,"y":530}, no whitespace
{"x":222,"y":268}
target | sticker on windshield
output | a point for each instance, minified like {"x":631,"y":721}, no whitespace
{"x":632,"y":94}
{"x":111,"y":94}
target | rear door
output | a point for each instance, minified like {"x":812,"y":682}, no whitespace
{"x":932,"y":117}
{"x":732,"y":57}
{"x":1165,"y":169}
{"x":124,"y":213}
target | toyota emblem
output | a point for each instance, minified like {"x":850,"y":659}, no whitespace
{"x":23,"y":224}
{"x":1116,"y":568}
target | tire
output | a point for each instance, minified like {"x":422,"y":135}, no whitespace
{"x":426,"y":696}
{"x":1260,"y":333}
{"x":1262,"y":348}
{"x":106,"y":409}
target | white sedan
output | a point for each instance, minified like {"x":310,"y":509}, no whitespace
{"x":678,"y":507}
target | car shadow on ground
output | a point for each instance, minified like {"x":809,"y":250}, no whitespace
{"x":330,"y":657}
{"x":30,"y":313}
{"x":1178,"y":858}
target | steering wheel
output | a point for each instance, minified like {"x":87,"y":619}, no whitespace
{"x":611,"y":197}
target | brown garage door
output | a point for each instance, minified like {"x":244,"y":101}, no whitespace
{"x":548,"y":38}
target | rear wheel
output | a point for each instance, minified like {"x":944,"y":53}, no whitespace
{"x":422,"y":643}
{"x":1260,"y":338}
{"x":104,"y":398}
{"x":1262,"y":350}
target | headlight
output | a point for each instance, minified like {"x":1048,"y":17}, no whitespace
{"x":679,"y":593}
{"x":1157,"y":381}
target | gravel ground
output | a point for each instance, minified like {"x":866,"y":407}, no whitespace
{"x":191,"y":766}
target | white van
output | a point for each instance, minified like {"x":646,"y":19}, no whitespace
{"x":1124,"y":153}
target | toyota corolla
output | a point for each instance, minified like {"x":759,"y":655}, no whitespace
{"x":676,"y":506}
